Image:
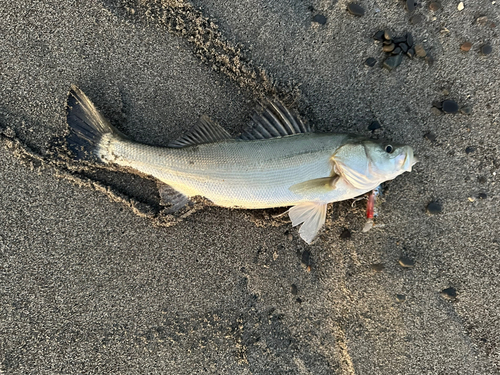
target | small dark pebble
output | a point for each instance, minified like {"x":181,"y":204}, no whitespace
{"x":387,"y":35}
{"x":449,"y":293}
{"x":399,"y":39}
{"x":404,"y":47}
{"x":430,"y":136}
{"x":396,"y":51}
{"x":409,"y":40}
{"x":355,"y":9}
{"x":306,"y":257}
{"x":434,"y":6}
{"x":410,"y":5}
{"x":393,"y":62}
{"x":379,"y":36}
{"x":470,"y":149}
{"x":406,"y":262}
{"x":429,"y":60}
{"x":450,"y":106}
{"x":482,"y":179}
{"x":370,"y":62}
{"x":416,"y":19}
{"x":482,"y":196}
{"x":294,"y":289}
{"x":434,"y":208}
{"x":346,"y":234}
{"x":410,"y":53}
{"x":486,"y":49}
{"x":400,"y":297}
{"x":374,"y":126}
{"x":319,"y":18}
{"x":388,"y":48}
{"x":466,"y":110}
{"x":299,"y":300}
{"x":436,"y":111}
{"x":377,"y":267}
{"x":466,"y":46}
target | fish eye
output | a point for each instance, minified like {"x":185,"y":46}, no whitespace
{"x":389,"y":149}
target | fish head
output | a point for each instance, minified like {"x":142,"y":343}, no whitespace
{"x":367,"y":163}
{"x":389,"y":159}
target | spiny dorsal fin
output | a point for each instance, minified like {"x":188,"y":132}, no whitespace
{"x":272,"y":120}
{"x":206,"y":131}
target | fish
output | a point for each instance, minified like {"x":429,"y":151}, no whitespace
{"x":277,"y":162}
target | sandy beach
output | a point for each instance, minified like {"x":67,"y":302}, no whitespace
{"x":96,"y":279}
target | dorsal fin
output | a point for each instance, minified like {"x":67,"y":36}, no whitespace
{"x":272,"y":120}
{"x":206,"y":131}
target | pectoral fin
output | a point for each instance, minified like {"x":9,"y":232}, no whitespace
{"x":311,"y":215}
{"x":318,"y":185}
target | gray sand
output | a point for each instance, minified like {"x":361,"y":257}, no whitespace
{"x":91,"y":282}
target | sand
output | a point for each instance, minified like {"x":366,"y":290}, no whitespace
{"x":95,"y":279}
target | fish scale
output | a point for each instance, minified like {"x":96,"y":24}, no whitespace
{"x":236,"y":173}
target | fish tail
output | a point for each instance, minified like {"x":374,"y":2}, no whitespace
{"x":87,"y":127}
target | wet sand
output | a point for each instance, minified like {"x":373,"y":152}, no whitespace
{"x":95,"y":279}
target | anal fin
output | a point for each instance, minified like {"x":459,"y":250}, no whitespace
{"x":311,"y":215}
{"x":169,"y":195}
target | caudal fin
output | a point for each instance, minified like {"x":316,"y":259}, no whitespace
{"x":86,"y":126}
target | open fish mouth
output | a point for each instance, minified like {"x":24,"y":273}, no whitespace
{"x":410,"y":160}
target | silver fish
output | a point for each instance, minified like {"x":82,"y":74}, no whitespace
{"x":276,"y":163}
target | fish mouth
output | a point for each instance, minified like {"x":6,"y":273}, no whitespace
{"x":410,"y":160}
